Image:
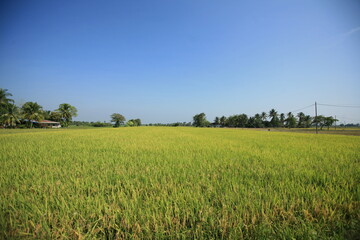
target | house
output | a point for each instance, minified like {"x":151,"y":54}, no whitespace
{"x":48,"y":124}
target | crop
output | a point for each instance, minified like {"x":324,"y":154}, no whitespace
{"x":162,"y":182}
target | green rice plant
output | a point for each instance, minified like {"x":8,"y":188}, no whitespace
{"x":178,"y":183}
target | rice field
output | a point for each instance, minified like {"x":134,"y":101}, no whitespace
{"x":178,"y":183}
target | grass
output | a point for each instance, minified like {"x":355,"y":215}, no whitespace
{"x":178,"y":183}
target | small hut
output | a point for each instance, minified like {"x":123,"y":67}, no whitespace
{"x":48,"y":124}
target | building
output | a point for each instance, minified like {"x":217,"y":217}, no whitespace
{"x":47,"y":124}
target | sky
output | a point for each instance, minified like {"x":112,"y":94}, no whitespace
{"x":165,"y":61}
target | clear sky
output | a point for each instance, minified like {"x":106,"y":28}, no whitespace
{"x":165,"y":61}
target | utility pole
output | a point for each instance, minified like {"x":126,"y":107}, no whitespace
{"x":316,"y":118}
{"x":335,"y":122}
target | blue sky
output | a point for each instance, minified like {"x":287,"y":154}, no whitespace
{"x":165,"y":61}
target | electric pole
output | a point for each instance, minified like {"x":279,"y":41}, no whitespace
{"x":316,"y":118}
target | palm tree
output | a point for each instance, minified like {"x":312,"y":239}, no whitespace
{"x":67,"y":112}
{"x":307,"y":121}
{"x":10,"y":116}
{"x":263,"y":116}
{"x":4,"y":97}
{"x":32,"y":111}
{"x":282,"y":119}
{"x":223,"y":120}
{"x":291,"y":120}
{"x":301,"y":117}
{"x":274,"y":118}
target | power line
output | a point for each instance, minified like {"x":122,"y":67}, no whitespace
{"x":297,"y":110}
{"x":332,"y":105}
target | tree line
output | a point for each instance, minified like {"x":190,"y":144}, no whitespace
{"x":265,"y":120}
{"x":13,"y":116}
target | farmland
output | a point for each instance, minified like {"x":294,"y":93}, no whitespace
{"x":162,"y":182}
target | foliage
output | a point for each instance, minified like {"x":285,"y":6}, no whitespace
{"x":177,"y":183}
{"x":101,"y":124}
{"x":133,"y":123}
{"x":10,"y":115}
{"x":199,"y":120}
{"x":67,"y":113}
{"x":118,"y":119}
{"x":32,"y":111}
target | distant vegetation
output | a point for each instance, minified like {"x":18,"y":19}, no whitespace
{"x":12,"y":116}
{"x":265,"y":120}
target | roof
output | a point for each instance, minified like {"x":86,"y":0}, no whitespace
{"x":47,"y":121}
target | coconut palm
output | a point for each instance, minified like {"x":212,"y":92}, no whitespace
{"x":4,"y":97}
{"x":263,"y":116}
{"x":301,"y":117}
{"x":32,"y":111}
{"x":282,"y":119}
{"x":67,"y":113}
{"x":10,"y":116}
{"x":274,"y":118}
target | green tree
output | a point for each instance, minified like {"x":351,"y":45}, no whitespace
{"x":301,"y":120}
{"x":55,"y":116}
{"x":329,"y":121}
{"x":290,"y":121}
{"x":130,"y":123}
{"x":282,"y":120}
{"x":258,"y":123}
{"x":10,"y":115}
{"x":137,"y":122}
{"x":274,"y":122}
{"x":67,"y":113}
{"x":200,"y":120}
{"x":32,"y":111}
{"x":307,"y":121}
{"x":118,"y":119}
{"x":320,"y":120}
{"x":223,"y":121}
{"x":46,"y":114}
{"x":4,"y":100}
{"x":4,"y":97}
{"x":217,"y":121}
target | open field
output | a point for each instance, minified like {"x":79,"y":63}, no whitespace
{"x":340,"y":131}
{"x":162,"y":182}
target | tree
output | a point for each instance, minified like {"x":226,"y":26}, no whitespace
{"x":223,"y":121}
{"x":55,"y":116}
{"x":301,"y":119}
{"x":282,"y":119}
{"x":130,"y":123}
{"x":133,"y":123}
{"x":274,"y":122}
{"x":4,"y":100}
{"x":217,"y":121}
{"x":32,"y":111}
{"x":137,"y":122}
{"x":46,"y":114}
{"x":263,"y":116}
{"x":320,"y":120}
{"x":290,"y":120}
{"x":200,"y":120}
{"x":307,"y":121}
{"x":118,"y":119}
{"x":329,"y":121}
{"x":67,"y":113}
{"x":258,"y":121}
{"x":10,"y":116}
